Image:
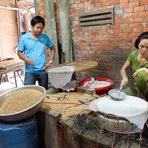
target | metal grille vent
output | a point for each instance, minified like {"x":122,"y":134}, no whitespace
{"x":96,"y":18}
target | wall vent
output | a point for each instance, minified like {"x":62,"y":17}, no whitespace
{"x":96,"y":18}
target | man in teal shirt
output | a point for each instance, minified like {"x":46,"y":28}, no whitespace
{"x":33,"y":50}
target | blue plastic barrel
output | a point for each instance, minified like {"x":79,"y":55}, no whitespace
{"x":20,"y":135}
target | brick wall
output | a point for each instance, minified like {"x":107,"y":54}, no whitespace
{"x":109,"y":44}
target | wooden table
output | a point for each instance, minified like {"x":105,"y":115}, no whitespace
{"x":79,"y":65}
{"x":11,"y":66}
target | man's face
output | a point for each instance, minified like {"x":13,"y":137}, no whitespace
{"x":37,"y":29}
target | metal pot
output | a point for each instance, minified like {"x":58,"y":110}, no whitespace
{"x":116,"y":124}
{"x":26,"y":113}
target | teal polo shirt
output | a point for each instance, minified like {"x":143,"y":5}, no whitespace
{"x":34,"y":49}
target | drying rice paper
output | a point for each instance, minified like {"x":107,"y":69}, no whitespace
{"x":60,"y":77}
{"x":132,"y":108}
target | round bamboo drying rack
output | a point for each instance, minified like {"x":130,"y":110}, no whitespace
{"x":79,"y":65}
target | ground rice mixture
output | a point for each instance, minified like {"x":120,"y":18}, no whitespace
{"x":20,"y":100}
{"x":68,"y":103}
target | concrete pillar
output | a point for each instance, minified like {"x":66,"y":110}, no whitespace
{"x":51,"y":25}
{"x":66,"y":40}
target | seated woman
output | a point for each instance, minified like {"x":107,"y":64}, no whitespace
{"x":139,"y":61}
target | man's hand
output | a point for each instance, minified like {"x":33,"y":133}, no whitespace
{"x":30,"y":62}
{"x":48,"y":65}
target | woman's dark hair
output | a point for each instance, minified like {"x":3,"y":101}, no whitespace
{"x":143,"y":35}
{"x":37,"y":19}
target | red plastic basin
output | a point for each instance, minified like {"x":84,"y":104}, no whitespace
{"x":99,"y":90}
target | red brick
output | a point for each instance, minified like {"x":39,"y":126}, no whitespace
{"x":143,"y":2}
{"x":102,"y":1}
{"x":84,"y":0}
{"x":127,"y":40}
{"x":132,"y":35}
{"x":98,"y":5}
{"x":125,"y":25}
{"x":146,"y":7}
{"x":124,"y":5}
{"x":145,"y":19}
{"x":91,"y":7}
{"x":138,"y":30}
{"x":88,"y":3}
{"x":140,"y":25}
{"x":117,"y":17}
{"x":127,"y":30}
{"x":123,"y":1}
{"x":129,"y":20}
{"x":114,"y":3}
{"x":146,"y":24}
{"x":115,"y":27}
{"x":119,"y":21}
{"x":114,"y":44}
{"x":145,"y":29}
{"x":134,"y":15}
{"x":138,"y":20}
{"x":94,"y":48}
{"x":133,"y":40}
{"x":118,"y":31}
{"x":133,"y":25}
{"x":123,"y":35}
{"x":101,"y":41}
{"x":143,"y":14}
{"x":105,"y":4}
{"x":129,"y":10}
{"x":99,"y":37}
{"x":133,"y":4}
{"x":137,"y":9}
{"x":118,"y":40}
{"x":96,"y":33}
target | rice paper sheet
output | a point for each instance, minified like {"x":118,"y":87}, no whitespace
{"x":132,"y":108}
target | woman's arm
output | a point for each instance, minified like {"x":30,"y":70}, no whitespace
{"x":124,"y":80}
{"x":141,"y":69}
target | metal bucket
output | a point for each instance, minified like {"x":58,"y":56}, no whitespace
{"x":26,"y":113}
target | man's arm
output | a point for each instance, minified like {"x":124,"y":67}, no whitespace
{"x":22,"y":56}
{"x":49,"y":60}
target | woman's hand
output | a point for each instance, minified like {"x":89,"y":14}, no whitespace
{"x":137,"y":71}
{"x":124,"y":82}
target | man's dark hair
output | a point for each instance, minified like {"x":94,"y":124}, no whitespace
{"x":37,"y":19}
{"x":143,"y":35}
